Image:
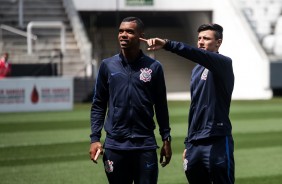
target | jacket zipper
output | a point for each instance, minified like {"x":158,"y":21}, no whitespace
{"x":130,"y":100}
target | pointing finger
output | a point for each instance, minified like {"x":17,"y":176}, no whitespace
{"x":142,"y":39}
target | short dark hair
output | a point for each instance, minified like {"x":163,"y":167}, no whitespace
{"x":214,"y":27}
{"x":138,"y":21}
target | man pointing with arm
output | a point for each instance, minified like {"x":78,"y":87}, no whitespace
{"x":208,"y":155}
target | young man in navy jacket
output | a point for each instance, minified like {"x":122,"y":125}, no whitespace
{"x":130,"y":87}
{"x":208,"y":155}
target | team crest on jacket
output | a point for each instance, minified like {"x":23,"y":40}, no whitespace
{"x":204,"y":74}
{"x":145,"y":74}
{"x":109,"y":166}
{"x":185,"y":162}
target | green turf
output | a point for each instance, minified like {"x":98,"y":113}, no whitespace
{"x":52,"y":147}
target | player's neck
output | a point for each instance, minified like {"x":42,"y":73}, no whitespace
{"x":131,"y":55}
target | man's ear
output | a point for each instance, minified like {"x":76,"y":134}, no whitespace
{"x":219,"y":42}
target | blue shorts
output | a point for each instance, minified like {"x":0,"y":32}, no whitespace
{"x":210,"y":161}
{"x":126,"y":167}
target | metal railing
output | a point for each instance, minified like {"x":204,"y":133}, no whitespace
{"x":46,"y":24}
{"x":15,"y":31}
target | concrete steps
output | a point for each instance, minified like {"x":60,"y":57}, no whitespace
{"x":48,"y":40}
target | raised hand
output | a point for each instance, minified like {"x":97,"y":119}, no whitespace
{"x":154,"y":43}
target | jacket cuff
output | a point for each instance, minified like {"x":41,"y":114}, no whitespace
{"x":95,"y":139}
{"x":167,"y":44}
{"x":168,"y":138}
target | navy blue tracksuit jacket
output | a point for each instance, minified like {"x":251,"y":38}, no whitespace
{"x":131,"y":94}
{"x":211,"y":90}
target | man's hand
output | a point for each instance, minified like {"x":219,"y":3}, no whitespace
{"x":154,"y":43}
{"x":165,"y":154}
{"x":96,"y":149}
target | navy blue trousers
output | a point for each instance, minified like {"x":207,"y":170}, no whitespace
{"x":126,"y":167}
{"x":210,"y":161}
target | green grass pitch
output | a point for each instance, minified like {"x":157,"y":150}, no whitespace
{"x":52,"y":147}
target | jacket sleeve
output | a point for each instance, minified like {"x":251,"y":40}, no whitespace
{"x":161,"y":108}
{"x":215,"y":62}
{"x":99,"y":104}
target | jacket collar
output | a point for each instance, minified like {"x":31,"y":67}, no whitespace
{"x":125,"y":61}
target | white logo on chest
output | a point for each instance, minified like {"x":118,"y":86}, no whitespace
{"x":145,"y":74}
{"x":204,"y":74}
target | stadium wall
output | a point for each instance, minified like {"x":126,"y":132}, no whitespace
{"x":158,"y":5}
{"x":251,"y":65}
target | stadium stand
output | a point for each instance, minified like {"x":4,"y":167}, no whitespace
{"x":180,"y":23}
{"x":46,"y":49}
{"x":265,"y":18}
{"x":74,"y":62}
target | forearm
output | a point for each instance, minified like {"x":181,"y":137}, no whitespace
{"x":213,"y":61}
{"x":161,"y":107}
{"x":163,"y":120}
{"x":97,"y":116}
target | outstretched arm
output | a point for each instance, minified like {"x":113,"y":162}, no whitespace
{"x":154,"y":43}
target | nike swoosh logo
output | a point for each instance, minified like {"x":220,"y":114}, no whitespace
{"x":150,"y":165}
{"x":115,"y":73}
{"x":218,"y":163}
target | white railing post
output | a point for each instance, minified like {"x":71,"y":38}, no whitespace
{"x":46,"y":24}
{"x":16,"y":31}
{"x":29,"y":42}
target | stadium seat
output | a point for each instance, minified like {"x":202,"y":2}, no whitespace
{"x":268,"y":43}
{"x":273,"y":43}
{"x":263,"y":28}
{"x":273,"y":12}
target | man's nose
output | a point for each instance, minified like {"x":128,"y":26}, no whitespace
{"x":201,"y":41}
{"x":123,"y":34}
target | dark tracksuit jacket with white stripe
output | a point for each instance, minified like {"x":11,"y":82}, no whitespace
{"x":211,"y":88}
{"x":130,"y":93}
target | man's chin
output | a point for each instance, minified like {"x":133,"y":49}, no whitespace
{"x":123,"y":46}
